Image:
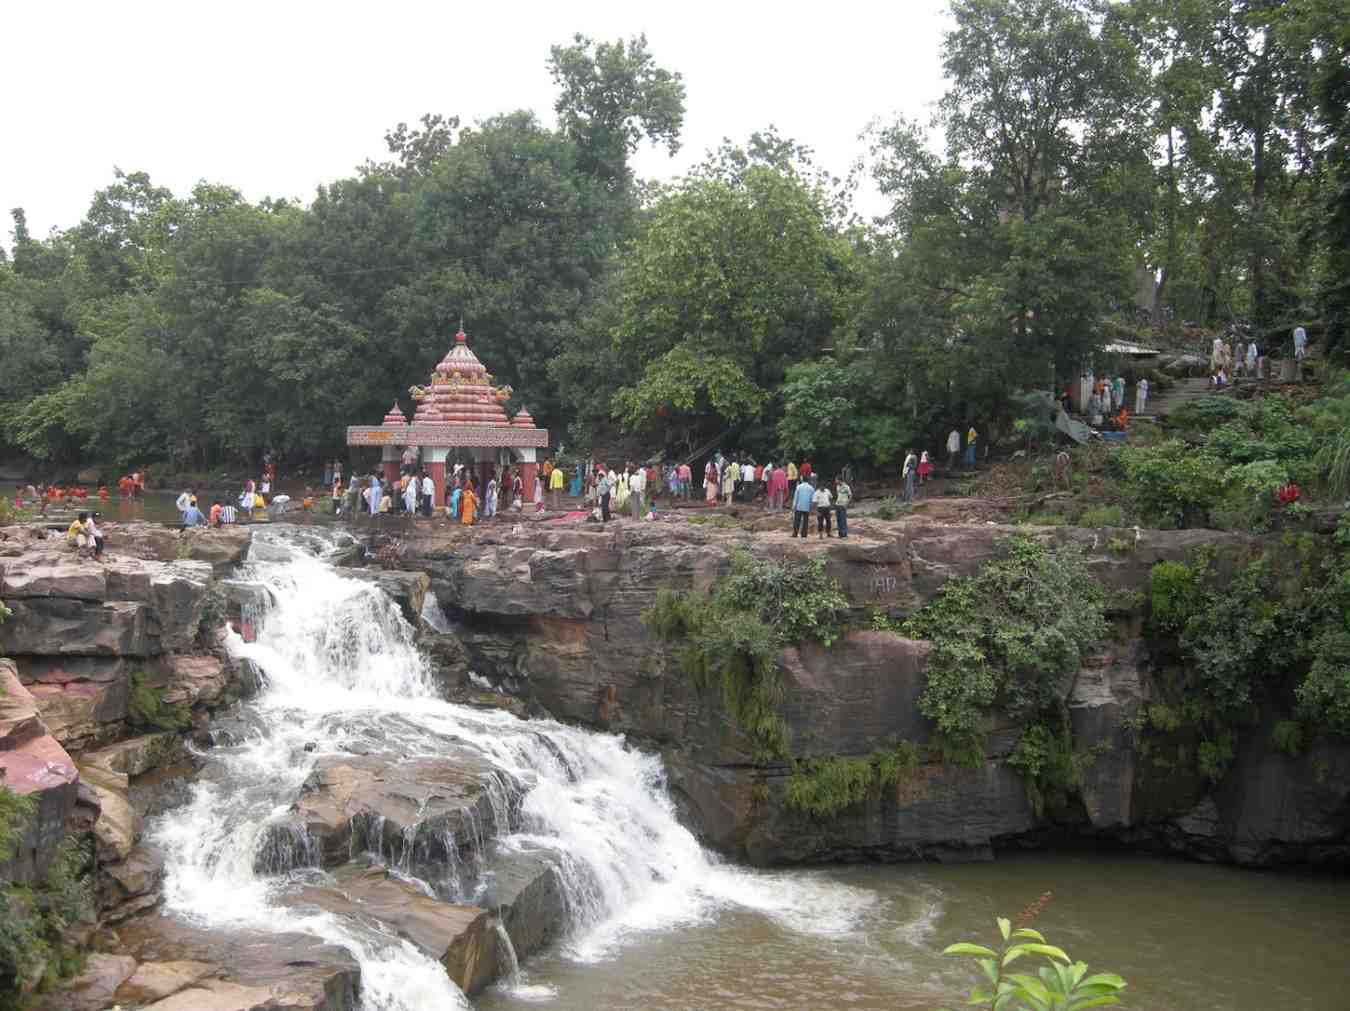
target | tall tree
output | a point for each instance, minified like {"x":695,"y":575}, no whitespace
{"x":612,"y":95}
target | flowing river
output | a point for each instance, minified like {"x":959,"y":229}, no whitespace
{"x":655,"y":920}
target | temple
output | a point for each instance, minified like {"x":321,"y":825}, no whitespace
{"x":460,"y":417}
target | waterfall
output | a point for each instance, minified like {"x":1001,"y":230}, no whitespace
{"x":342,"y":676}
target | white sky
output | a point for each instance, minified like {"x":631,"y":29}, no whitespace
{"x":275,"y":98}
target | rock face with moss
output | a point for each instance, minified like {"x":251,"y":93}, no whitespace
{"x":556,"y":616}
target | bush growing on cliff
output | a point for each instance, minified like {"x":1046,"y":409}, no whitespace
{"x":1005,"y":638}
{"x":736,"y":633}
{"x":31,"y":924}
{"x":31,"y":921}
{"x":822,"y":787}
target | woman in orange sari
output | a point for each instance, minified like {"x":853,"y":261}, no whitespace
{"x":468,"y":505}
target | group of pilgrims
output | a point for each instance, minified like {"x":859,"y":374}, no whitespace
{"x":1232,"y":359}
{"x":467,"y":498}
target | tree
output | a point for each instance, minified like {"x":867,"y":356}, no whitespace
{"x":612,"y":94}
{"x":1022,"y":236}
{"x":737,"y":275}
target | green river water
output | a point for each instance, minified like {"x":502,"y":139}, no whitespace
{"x":1188,"y":937}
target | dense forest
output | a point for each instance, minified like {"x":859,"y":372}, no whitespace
{"x":1079,"y":146}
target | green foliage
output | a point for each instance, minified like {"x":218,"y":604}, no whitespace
{"x":890,"y":510}
{"x":1174,"y":594}
{"x":1006,"y":636}
{"x":1102,"y":516}
{"x":822,"y":787}
{"x":734,"y":636}
{"x":1044,"y":757}
{"x":148,"y":710}
{"x":1231,"y":639}
{"x":1287,"y":736}
{"x":1125,"y":601}
{"x":1060,"y":985}
{"x":735,"y":277}
{"x":1045,"y":520}
{"x":1120,"y":545}
{"x":1327,"y":420}
{"x":214,"y":609}
{"x":1216,"y":756}
{"x":1171,"y":482}
{"x":716,"y":520}
{"x":835,"y":413}
{"x":32,"y":921}
{"x":14,"y":811}
{"x":1324,"y":695}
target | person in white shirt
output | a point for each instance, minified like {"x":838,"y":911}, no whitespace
{"x":95,"y":538}
{"x":428,"y":494}
{"x":953,"y":447}
{"x":410,"y":497}
{"x":182,"y":502}
{"x":1140,"y":396}
{"x":822,"y":500}
{"x":637,"y":485}
{"x":908,"y":473}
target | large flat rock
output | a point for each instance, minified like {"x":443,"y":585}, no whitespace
{"x":461,"y":938}
{"x":418,"y":812}
{"x":248,"y":970}
{"x":73,"y":606}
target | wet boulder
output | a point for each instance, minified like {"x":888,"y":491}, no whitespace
{"x":461,"y":938}
{"x":413,"y":812}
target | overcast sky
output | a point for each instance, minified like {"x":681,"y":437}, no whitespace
{"x":275,"y":98}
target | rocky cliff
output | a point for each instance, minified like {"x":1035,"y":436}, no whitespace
{"x":109,"y":667}
{"x":553,"y":614}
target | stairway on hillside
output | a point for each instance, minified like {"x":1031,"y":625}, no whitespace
{"x":1182,"y":391}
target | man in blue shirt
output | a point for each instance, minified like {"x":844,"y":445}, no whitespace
{"x":192,"y":517}
{"x":801,"y":508}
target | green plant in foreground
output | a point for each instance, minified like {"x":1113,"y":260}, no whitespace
{"x":1060,"y":985}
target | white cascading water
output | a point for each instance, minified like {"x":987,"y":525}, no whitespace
{"x":341,"y":672}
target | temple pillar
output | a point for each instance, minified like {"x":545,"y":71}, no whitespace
{"x":389,"y":457}
{"x":433,"y":459}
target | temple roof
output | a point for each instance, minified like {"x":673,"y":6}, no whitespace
{"x":461,"y":391}
{"x":459,"y":406}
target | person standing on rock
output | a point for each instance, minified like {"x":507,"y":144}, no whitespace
{"x":555,"y":488}
{"x":909,"y":472}
{"x":971,"y":438}
{"x":602,"y":487}
{"x":843,"y":495}
{"x":792,"y":482}
{"x":824,"y":507}
{"x":1140,"y":396}
{"x":183,"y":501}
{"x":802,"y":501}
{"x":953,"y":447}
{"x":637,"y":487}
